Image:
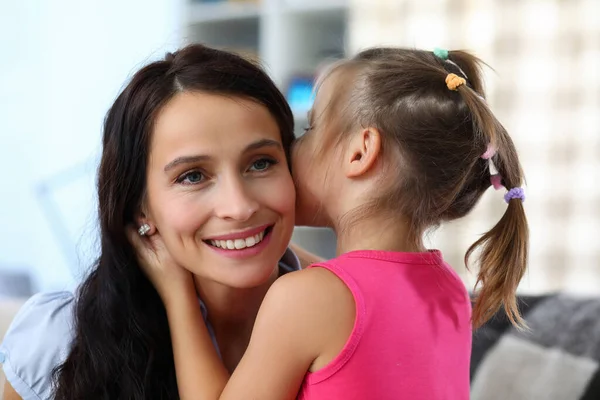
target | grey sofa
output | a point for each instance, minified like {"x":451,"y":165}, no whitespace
{"x":557,"y":358}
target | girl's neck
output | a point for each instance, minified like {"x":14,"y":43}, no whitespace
{"x":377,"y":232}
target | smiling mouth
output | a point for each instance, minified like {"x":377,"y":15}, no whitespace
{"x":241,"y":243}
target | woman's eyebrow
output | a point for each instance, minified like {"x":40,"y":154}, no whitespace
{"x":185,"y":160}
{"x":259,"y":144}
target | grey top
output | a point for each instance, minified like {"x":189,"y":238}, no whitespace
{"x":40,"y":336}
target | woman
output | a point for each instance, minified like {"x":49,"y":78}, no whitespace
{"x":195,"y":152}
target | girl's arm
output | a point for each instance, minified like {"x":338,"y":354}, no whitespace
{"x":189,"y":334}
{"x":200,"y":372}
{"x":306,"y":317}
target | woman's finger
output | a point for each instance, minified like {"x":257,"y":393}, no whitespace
{"x":155,"y":241}
{"x":135,"y":239}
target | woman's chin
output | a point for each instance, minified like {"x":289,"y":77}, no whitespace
{"x":240,"y":274}
{"x":251,"y":277}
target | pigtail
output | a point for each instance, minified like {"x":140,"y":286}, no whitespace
{"x":502,"y":260}
{"x":503,"y":250}
{"x":469,"y":66}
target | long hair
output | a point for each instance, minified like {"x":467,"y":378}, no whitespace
{"x":122,"y":345}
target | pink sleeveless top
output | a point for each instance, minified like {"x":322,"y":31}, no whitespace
{"x":412,"y":335}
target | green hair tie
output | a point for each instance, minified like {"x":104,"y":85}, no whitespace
{"x":440,"y":53}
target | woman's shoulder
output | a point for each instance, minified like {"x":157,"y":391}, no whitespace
{"x":37,"y":341}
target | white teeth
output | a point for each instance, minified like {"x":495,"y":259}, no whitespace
{"x":238,"y":244}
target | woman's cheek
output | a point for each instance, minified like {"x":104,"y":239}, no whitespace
{"x":279,"y":194}
{"x":185,"y":215}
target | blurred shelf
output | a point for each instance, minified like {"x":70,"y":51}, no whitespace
{"x":300,"y":124}
{"x":300,"y":116}
{"x":292,"y":38}
{"x":319,"y":241}
{"x":222,"y":11}
{"x":316,"y":6}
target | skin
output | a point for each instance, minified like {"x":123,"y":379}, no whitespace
{"x":307,"y":315}
{"x":228,"y":169}
{"x":210,"y":175}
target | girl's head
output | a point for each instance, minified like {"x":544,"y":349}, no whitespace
{"x":196,"y":146}
{"x":413,"y":144}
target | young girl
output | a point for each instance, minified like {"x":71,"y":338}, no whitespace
{"x":399,"y":142}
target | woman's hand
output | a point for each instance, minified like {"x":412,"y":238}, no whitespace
{"x":169,"y":278}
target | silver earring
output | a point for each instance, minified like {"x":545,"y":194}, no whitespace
{"x":144,"y":229}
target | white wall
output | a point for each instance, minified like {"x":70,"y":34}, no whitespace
{"x":62,"y":62}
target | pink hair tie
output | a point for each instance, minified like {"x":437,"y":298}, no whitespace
{"x":489,"y":152}
{"x":496,"y":181}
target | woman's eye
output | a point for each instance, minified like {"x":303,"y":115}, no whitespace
{"x":191,"y":178}
{"x":262,"y":164}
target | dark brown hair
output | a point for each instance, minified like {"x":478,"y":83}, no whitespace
{"x":122,"y":346}
{"x":437,"y":137}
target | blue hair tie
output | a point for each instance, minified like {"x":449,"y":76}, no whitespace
{"x":440,"y":53}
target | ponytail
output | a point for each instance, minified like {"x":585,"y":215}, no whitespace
{"x":502,"y":251}
{"x":502,"y":263}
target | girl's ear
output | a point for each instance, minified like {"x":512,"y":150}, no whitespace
{"x":362,"y":152}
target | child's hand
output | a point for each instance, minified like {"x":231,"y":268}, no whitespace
{"x":169,"y":278}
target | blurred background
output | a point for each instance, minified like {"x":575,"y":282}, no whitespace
{"x":64,"y":61}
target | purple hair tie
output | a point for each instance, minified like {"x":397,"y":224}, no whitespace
{"x":515,"y":193}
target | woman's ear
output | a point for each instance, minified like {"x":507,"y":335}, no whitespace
{"x":144,"y":223}
{"x":362,"y":152}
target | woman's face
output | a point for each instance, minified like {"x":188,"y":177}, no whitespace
{"x":219,"y":190}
